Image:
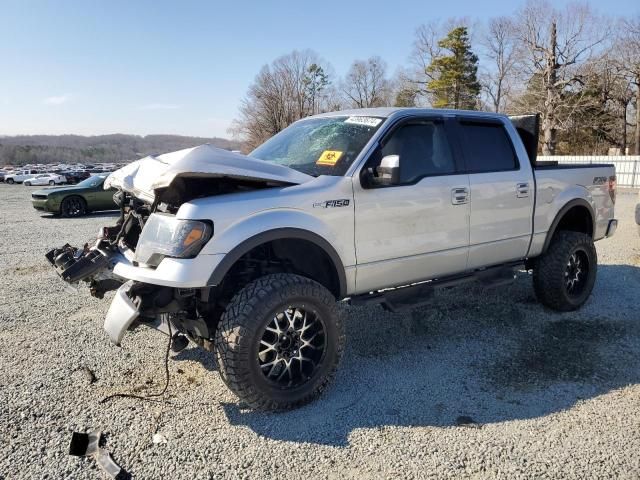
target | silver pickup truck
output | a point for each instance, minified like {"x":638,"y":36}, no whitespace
{"x":246,"y":256}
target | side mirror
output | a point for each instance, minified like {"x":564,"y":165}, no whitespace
{"x":389,"y":170}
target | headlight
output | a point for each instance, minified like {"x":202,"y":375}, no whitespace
{"x":166,"y":236}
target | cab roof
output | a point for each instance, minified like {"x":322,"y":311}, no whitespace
{"x":386,"y":112}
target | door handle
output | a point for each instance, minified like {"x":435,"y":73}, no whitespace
{"x":459,"y":195}
{"x":522,"y":190}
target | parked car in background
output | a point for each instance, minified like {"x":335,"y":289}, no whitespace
{"x":2,"y":174}
{"x":46,"y":179}
{"x":77,"y":200}
{"x":75,"y":176}
{"x":19,"y":176}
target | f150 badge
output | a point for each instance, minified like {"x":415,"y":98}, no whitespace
{"x":344,"y":202}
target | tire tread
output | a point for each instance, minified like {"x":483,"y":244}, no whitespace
{"x":548,"y":273}
{"x":240,"y":322}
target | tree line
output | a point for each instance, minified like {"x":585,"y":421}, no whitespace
{"x":579,"y":69}
{"x":43,"y":149}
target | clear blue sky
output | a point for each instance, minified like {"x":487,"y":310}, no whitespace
{"x":93,"y":67}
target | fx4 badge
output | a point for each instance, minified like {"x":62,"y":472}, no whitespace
{"x":344,"y":202}
{"x":600,"y":180}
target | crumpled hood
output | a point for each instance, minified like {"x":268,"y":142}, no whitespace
{"x":142,"y":177}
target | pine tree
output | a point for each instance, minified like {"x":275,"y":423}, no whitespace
{"x":454,"y":81}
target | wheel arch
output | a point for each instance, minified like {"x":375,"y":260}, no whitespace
{"x":576,"y":215}
{"x":286,"y":234}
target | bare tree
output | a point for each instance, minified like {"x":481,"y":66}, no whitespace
{"x":291,"y":87}
{"x":502,"y":50}
{"x":558,"y":43}
{"x":617,"y":92}
{"x":315,"y":83}
{"x":600,"y":119}
{"x":426,"y":48}
{"x":404,"y":89}
{"x":366,"y":84}
{"x":628,"y":55}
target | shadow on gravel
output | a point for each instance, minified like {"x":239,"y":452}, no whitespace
{"x":203,"y":357}
{"x":473,"y":357}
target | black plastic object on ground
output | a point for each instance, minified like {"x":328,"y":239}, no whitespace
{"x":88,"y":444}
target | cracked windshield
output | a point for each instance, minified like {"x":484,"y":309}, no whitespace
{"x":320,"y":146}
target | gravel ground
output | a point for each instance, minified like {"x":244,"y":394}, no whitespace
{"x":479,"y":384}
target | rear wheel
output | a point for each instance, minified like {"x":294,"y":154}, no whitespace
{"x":564,"y":276}
{"x":279,"y":342}
{"x":27,"y":184}
{"x":51,"y":182}
{"x":73,"y":207}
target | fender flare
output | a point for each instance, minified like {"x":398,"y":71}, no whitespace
{"x":576,"y":202}
{"x":278,"y":234}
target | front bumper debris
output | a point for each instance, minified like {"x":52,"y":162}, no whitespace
{"x":134,"y":302}
{"x":91,"y":265}
{"x":122,"y":313}
{"x":75,"y":264}
{"x":172,"y":294}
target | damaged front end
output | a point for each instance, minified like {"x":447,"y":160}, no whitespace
{"x":135,"y":302}
{"x":152,"y":269}
{"x":94,"y":265}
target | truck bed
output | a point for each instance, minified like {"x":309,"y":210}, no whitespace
{"x":558,"y":184}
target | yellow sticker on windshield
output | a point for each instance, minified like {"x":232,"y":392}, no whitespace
{"x":329,"y":158}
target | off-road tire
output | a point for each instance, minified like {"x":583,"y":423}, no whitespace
{"x":549,"y":273}
{"x":241,"y":330}
{"x":69,"y":209}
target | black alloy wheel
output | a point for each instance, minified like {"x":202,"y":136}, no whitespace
{"x":292,"y":347}
{"x":73,"y":207}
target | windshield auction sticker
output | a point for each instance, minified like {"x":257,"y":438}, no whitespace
{"x":368,"y":121}
{"x":329,"y":158}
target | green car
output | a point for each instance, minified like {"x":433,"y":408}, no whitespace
{"x":75,"y":200}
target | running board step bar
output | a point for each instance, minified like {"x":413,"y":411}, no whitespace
{"x":418,"y":294}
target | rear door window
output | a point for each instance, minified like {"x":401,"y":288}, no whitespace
{"x":487,"y":147}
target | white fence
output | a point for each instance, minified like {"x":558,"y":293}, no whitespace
{"x":627,"y":167}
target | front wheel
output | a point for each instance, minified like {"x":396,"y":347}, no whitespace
{"x":51,"y":182}
{"x":73,"y":207}
{"x":279,"y":342}
{"x":564,"y":276}
{"x":27,"y":184}
{"x":11,"y":181}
